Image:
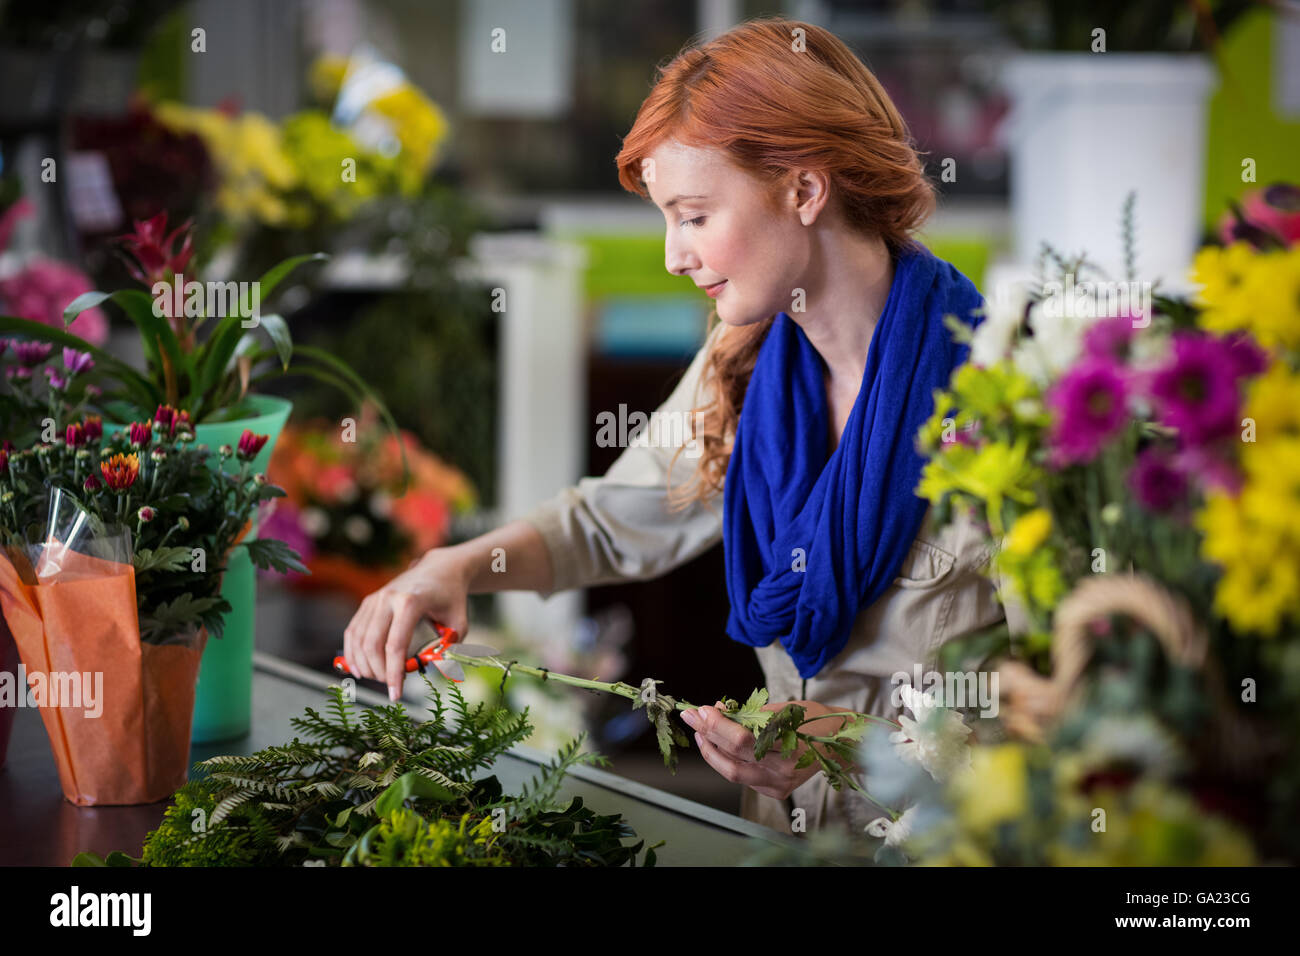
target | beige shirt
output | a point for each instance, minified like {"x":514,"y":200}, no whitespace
{"x":617,"y":527}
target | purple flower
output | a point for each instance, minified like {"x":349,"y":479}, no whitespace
{"x":1196,"y":391}
{"x":1110,"y":338}
{"x":57,"y":382}
{"x":76,"y":362}
{"x":18,"y":373}
{"x":31,"y":354}
{"x":1089,"y":405}
{"x":1156,"y":480}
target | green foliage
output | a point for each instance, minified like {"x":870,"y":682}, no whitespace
{"x":373,"y":787}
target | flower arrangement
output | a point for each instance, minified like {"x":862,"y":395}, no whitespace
{"x":348,"y":499}
{"x":184,"y":515}
{"x":1150,"y":447}
{"x":318,"y":165}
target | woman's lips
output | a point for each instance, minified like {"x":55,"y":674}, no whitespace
{"x":712,"y":290}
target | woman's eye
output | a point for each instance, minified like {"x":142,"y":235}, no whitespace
{"x":692,"y":222}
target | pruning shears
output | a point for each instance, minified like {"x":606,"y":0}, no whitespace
{"x":432,"y":653}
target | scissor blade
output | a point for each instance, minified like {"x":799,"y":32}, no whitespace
{"x":450,"y":670}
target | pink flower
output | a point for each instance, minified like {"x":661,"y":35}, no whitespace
{"x":1089,"y":406}
{"x":250,"y":445}
{"x":1196,"y":391}
{"x":42,"y":290}
{"x":1157,"y":481}
{"x":150,"y":256}
{"x":1275,"y":209}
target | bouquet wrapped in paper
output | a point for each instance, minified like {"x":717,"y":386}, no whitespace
{"x":110,"y":583}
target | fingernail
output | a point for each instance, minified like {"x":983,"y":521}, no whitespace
{"x":393,"y":694}
{"x":690,"y":718}
{"x":699,"y":741}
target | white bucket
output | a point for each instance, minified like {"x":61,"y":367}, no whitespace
{"x":1086,"y":129}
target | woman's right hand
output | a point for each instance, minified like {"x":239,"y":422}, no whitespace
{"x":377,"y":642}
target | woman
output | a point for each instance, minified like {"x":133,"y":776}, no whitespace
{"x":790,"y":192}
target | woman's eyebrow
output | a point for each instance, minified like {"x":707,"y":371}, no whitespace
{"x":676,"y":199}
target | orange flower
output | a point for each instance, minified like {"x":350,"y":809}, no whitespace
{"x":120,"y":471}
{"x":424,"y":517}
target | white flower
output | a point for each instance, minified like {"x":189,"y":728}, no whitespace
{"x":895,"y":832}
{"x":357,"y":529}
{"x":314,"y":522}
{"x":1056,"y":342}
{"x":935,"y":737}
{"x":1002,"y":316}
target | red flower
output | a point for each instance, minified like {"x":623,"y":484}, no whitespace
{"x":141,"y":433}
{"x":91,"y":483}
{"x":151,"y":256}
{"x":121,"y":471}
{"x":75,"y":435}
{"x":4,"y":460}
{"x":94,"y":427}
{"x":250,"y":445}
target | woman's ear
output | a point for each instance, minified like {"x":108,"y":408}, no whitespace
{"x":811,"y":194}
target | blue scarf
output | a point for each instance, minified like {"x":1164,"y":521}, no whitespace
{"x":854,"y":514}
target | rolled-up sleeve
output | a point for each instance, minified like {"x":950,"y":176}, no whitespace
{"x":618,"y":526}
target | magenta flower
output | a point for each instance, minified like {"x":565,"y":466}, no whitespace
{"x":1196,"y":392}
{"x":18,"y":373}
{"x":42,"y":290}
{"x":77,"y":362}
{"x":75,"y":435}
{"x":1157,"y":481}
{"x":31,"y":354}
{"x":92,"y":483}
{"x":1089,"y":406}
{"x":1110,"y":338}
{"x":250,"y":445}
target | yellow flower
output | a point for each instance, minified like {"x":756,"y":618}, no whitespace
{"x":1271,"y":298}
{"x":420,"y":127}
{"x":1256,"y":596}
{"x":1221,"y":274}
{"x":1030,"y":530}
{"x":994,"y":789}
{"x":1273,"y":404}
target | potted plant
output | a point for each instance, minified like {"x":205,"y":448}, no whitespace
{"x":207,"y":345}
{"x":116,"y":545}
{"x":1094,"y":76}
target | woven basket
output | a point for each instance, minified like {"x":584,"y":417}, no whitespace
{"x":1031,"y":703}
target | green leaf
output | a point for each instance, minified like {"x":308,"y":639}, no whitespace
{"x":278,"y":329}
{"x":277,"y":273}
{"x":162,"y":559}
{"x":751,"y":715}
{"x":270,"y":554}
{"x":785,"y":722}
{"x":410,"y":784}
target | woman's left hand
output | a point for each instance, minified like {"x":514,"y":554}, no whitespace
{"x":729,"y":748}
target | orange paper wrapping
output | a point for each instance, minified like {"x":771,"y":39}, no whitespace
{"x":137,"y":749}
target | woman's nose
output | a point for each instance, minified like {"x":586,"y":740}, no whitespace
{"x":678,"y":258}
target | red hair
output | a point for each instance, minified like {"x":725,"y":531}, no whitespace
{"x":774,"y":96}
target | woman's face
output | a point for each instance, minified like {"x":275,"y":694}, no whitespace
{"x":723,"y":229}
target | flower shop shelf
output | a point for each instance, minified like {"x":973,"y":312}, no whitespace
{"x":39,"y":828}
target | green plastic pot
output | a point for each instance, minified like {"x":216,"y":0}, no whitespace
{"x":223,"y":702}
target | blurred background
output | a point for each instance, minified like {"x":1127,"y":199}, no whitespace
{"x":482,"y":135}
